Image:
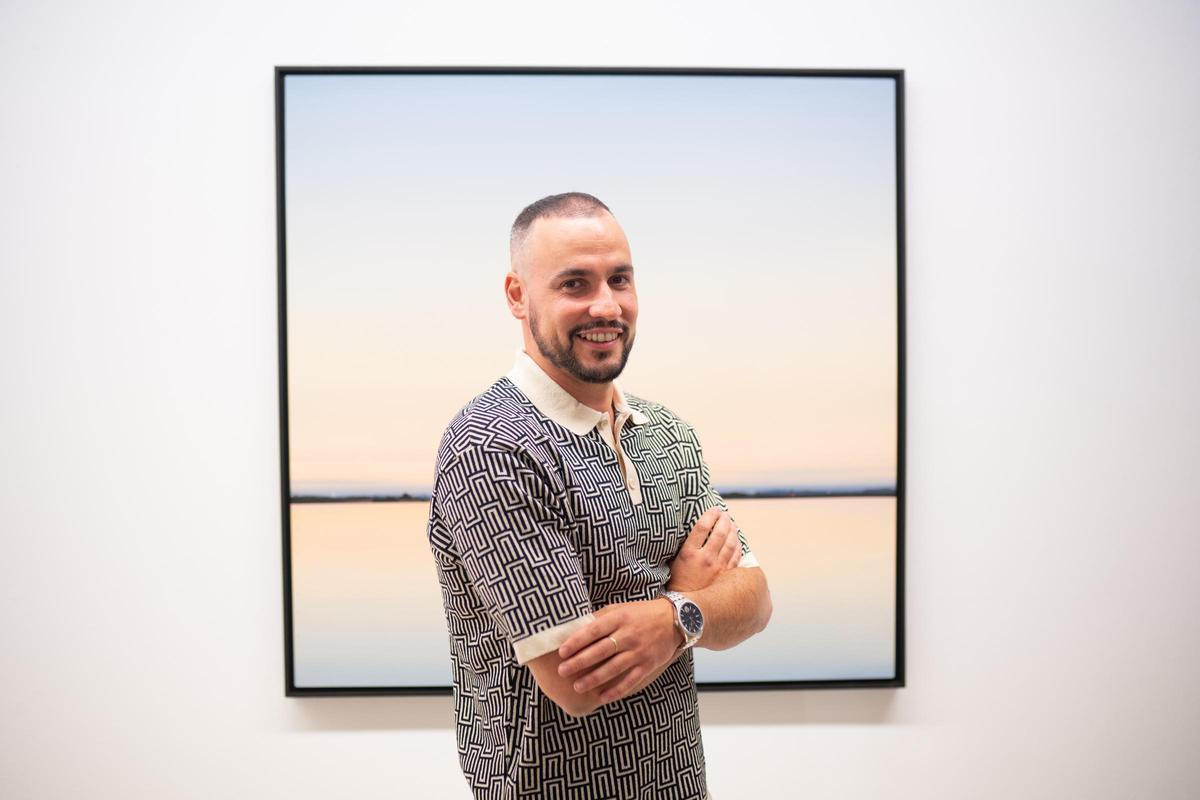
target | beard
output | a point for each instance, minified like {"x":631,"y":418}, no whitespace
{"x":563,"y":356}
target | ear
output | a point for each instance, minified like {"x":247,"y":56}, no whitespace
{"x":514,"y":293}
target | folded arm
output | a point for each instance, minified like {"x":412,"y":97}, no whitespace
{"x":734,"y":600}
{"x":642,"y":645}
{"x":588,"y":670}
{"x":736,"y":606}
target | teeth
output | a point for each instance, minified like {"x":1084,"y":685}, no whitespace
{"x":599,"y":337}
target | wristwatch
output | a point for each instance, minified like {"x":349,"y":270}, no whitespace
{"x":688,"y":619}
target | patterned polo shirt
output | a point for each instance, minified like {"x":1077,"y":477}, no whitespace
{"x":539,"y":517}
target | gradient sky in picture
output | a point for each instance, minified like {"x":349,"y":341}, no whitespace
{"x":761,"y":217}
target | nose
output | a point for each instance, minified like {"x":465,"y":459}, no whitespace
{"x":605,"y":304}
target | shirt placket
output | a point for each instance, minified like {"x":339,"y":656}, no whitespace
{"x":623,"y":464}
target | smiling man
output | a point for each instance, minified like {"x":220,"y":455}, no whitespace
{"x":580,"y":546}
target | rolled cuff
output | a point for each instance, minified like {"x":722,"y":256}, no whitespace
{"x":748,"y":560}
{"x":543,"y":642}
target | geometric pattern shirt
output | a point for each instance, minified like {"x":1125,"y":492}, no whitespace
{"x":539,"y":517}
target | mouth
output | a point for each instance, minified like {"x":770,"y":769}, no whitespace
{"x":600,"y":339}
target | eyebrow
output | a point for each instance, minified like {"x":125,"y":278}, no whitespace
{"x":579,"y":272}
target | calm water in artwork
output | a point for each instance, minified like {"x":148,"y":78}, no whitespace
{"x":368,"y":611}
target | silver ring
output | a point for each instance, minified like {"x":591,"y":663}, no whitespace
{"x":616,"y":647}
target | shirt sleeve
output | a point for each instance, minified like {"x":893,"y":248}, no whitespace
{"x":505,"y":520}
{"x":700,"y":495}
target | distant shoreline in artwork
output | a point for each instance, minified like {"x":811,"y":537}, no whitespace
{"x":772,"y":493}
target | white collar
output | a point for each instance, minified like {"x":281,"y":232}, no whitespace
{"x":557,"y":403}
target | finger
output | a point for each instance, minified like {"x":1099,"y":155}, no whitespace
{"x":622,"y":687}
{"x":735,"y":557}
{"x":587,"y":658}
{"x":593,"y":654}
{"x":720,"y":532}
{"x":703,"y":527}
{"x":595,"y":630}
{"x":728,"y":528}
{"x":607,"y":671}
{"x":731,"y":552}
{"x":579,"y":640}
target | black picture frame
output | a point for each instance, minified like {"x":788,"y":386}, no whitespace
{"x":281,"y":74}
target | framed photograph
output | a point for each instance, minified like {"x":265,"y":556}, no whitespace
{"x":765,"y":215}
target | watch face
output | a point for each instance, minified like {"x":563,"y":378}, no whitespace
{"x":692,"y":619}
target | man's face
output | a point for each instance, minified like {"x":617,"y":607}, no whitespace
{"x":578,"y":287}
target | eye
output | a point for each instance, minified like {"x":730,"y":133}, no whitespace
{"x":621,"y":280}
{"x":572,"y":284}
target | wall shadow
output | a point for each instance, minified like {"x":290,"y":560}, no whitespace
{"x":797,"y":707}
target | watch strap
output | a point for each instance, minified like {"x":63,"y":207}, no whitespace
{"x":677,"y":599}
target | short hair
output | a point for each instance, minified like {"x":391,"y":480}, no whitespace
{"x":567,"y":204}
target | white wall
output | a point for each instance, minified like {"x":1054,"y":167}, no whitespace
{"x":1053,"y":365}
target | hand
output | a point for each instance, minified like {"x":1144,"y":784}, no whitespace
{"x":711,"y":548}
{"x":646,"y":640}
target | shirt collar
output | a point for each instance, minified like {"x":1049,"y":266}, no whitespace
{"x":557,"y":403}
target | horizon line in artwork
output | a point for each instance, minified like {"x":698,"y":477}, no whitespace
{"x":728,"y":493}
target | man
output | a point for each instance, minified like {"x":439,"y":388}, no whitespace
{"x":562,"y":509}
